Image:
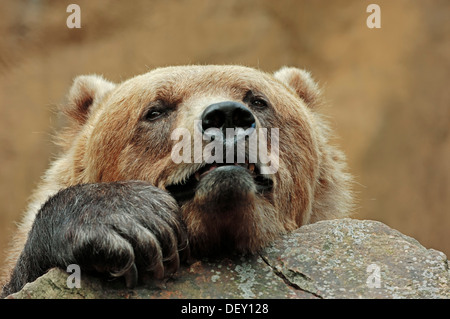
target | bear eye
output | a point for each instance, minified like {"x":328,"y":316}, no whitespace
{"x":150,"y":116}
{"x":259,"y":103}
{"x":256,"y":100}
{"x":155,"y":112}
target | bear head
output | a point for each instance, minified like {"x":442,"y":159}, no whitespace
{"x":244,"y":152}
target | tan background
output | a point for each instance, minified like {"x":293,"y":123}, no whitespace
{"x":388,"y":89}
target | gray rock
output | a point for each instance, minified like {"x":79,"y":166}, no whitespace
{"x":359,"y":259}
{"x":345,"y":258}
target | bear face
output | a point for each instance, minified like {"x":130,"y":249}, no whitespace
{"x":126,"y":132}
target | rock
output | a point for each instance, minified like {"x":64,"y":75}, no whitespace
{"x":345,"y":258}
{"x":359,"y":259}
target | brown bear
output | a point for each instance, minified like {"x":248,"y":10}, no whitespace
{"x":184,"y":160}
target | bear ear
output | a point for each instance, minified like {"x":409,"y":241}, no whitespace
{"x":86,"y":91}
{"x":302,"y":83}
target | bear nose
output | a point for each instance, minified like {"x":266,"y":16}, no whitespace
{"x":228,"y":114}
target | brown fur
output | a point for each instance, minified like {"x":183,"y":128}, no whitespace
{"x":106,"y":140}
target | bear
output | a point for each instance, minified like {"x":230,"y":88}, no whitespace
{"x":178,"y":163}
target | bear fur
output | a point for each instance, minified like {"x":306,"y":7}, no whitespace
{"x":120,"y":133}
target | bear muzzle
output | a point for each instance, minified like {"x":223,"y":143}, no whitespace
{"x":226,"y":178}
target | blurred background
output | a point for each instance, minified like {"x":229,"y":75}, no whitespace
{"x":387,"y":89}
